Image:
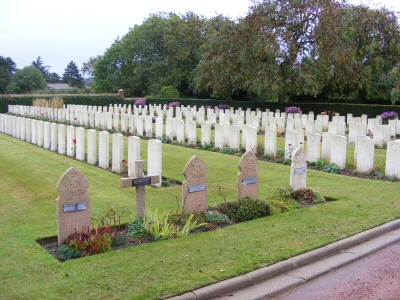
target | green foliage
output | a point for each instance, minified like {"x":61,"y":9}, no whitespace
{"x":72,"y":74}
{"x":250,"y":209}
{"x":169,"y":92}
{"x":7,"y":69}
{"x":245,"y":209}
{"x":138,"y":229}
{"x":331,"y":168}
{"x":216,"y":217}
{"x":66,"y":252}
{"x":279,"y":205}
{"x":320,"y":163}
{"x":318,"y":198}
{"x":227,"y":150}
{"x":26,"y":80}
{"x":160,"y":227}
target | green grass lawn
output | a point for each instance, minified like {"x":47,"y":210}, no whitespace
{"x":28,"y":180}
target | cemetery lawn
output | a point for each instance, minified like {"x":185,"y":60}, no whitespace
{"x":28,"y":179}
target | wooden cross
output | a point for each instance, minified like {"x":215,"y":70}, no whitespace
{"x":140,"y":182}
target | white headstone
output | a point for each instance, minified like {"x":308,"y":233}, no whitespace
{"x":270,"y":142}
{"x":339,"y":150}
{"x":298,"y":170}
{"x":313,"y":147}
{"x":104,"y":149}
{"x":393,"y":159}
{"x":92,"y":147}
{"x":154,"y":160}
{"x":117,"y":152}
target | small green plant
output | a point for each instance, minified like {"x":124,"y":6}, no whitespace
{"x":160,"y":227}
{"x":282,"y":192}
{"x":331,"y":168}
{"x":320,"y":163}
{"x":138,"y":229}
{"x":65,"y":252}
{"x":250,"y":209}
{"x":392,"y":177}
{"x":216,"y":217}
{"x":165,"y":139}
{"x":165,"y":183}
{"x":318,"y":198}
{"x":227,"y":150}
{"x":280,"y":153}
{"x":355,"y":172}
{"x":278,"y":205}
{"x":268,"y":155}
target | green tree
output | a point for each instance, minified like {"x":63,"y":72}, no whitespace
{"x":362,"y":46}
{"x":7,"y":69}
{"x":88,"y":67}
{"x":44,"y":69}
{"x":71,"y":74}
{"x":27,"y":80}
{"x":162,"y":51}
{"x":54,"y":78}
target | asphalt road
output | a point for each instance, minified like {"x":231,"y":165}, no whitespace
{"x":374,"y":277}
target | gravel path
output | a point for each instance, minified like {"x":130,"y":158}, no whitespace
{"x":376,"y":276}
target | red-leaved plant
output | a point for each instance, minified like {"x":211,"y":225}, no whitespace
{"x":92,"y":240}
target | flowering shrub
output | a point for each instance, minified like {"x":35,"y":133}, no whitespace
{"x":292,"y":110}
{"x":174,"y":104}
{"x":224,"y":106}
{"x":389,"y":115}
{"x":141,"y":101}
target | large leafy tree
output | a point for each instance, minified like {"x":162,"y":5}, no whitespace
{"x":27,"y":80}
{"x":7,"y":69}
{"x":361,"y":48}
{"x":72,"y":74}
{"x":44,"y":69}
{"x":162,"y":51}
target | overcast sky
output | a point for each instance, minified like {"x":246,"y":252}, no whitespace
{"x":64,"y":31}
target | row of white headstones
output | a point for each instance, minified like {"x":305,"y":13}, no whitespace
{"x":330,"y":145}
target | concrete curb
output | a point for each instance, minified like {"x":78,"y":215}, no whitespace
{"x":248,"y":279}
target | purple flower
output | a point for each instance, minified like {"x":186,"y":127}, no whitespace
{"x":390,"y":115}
{"x":140,"y":102}
{"x":224,"y":106}
{"x":174,"y":104}
{"x":292,"y":110}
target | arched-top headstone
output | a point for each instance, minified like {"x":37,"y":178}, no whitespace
{"x":298,"y":174}
{"x":248,"y":176}
{"x":73,"y":203}
{"x":195,"y":186}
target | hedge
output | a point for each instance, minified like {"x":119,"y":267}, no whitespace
{"x":107,"y":99}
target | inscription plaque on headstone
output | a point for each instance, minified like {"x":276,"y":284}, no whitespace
{"x":141,"y":181}
{"x":196,"y":188}
{"x":74,"y":207}
{"x":299,"y":170}
{"x":251,"y":180}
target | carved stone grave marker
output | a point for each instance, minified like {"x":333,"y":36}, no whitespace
{"x":73,"y":204}
{"x":195,"y":186}
{"x":298,"y":170}
{"x":140,"y":182}
{"x":248,"y":176}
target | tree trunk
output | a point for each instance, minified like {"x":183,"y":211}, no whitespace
{"x":282,"y":98}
